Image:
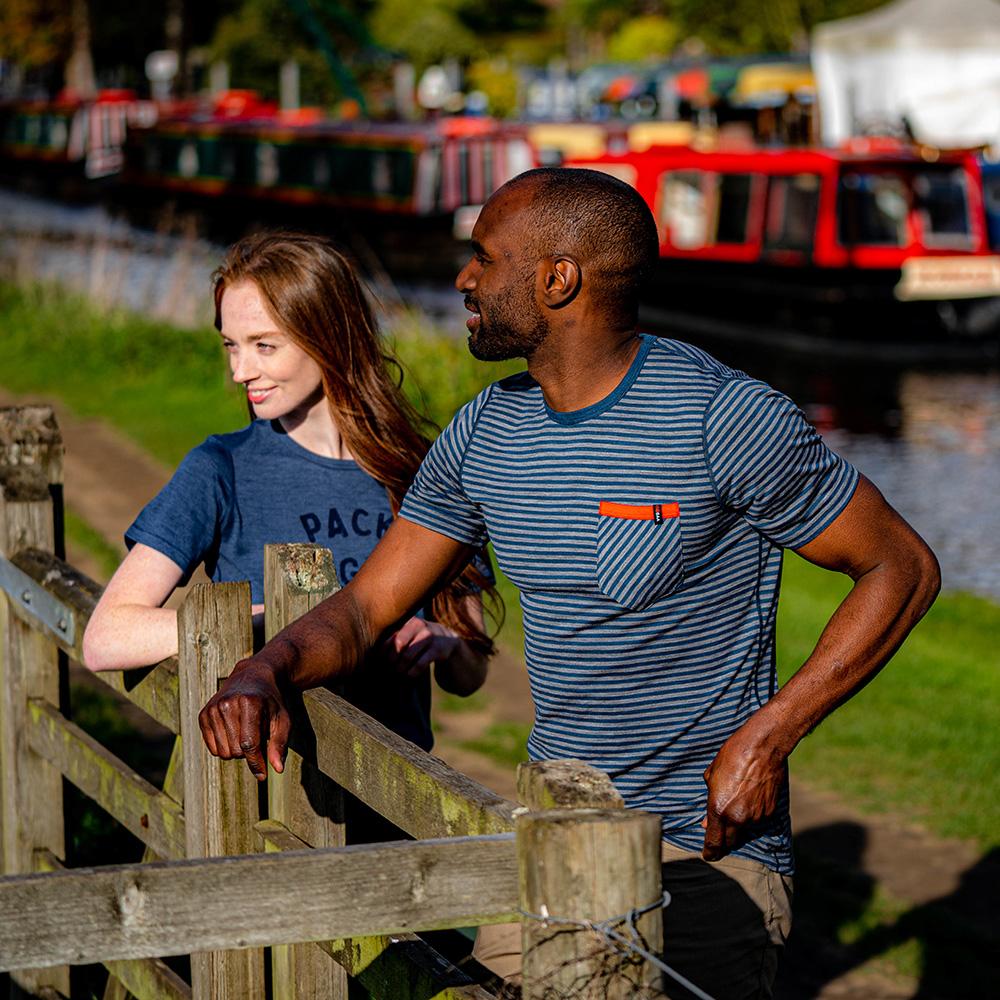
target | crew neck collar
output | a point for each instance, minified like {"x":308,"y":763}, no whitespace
{"x":286,"y":442}
{"x":569,"y":417}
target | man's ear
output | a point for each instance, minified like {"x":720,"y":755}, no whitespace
{"x":560,"y":280}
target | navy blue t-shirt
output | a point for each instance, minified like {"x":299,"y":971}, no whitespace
{"x":237,"y":492}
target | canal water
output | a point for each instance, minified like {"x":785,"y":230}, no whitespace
{"x":928,"y":437}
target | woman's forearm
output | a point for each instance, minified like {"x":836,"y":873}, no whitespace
{"x":463,"y":671}
{"x":129,"y":635}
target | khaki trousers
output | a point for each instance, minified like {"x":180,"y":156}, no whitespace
{"x":724,"y":928}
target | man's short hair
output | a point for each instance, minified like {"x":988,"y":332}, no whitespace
{"x":598,"y":219}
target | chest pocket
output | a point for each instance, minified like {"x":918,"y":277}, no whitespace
{"x":640,"y":558}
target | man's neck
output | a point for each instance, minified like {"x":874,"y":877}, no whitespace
{"x":577,"y":372}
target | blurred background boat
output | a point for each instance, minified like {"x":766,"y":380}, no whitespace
{"x":842,"y":200}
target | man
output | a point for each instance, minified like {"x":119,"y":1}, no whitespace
{"x":639,"y":494}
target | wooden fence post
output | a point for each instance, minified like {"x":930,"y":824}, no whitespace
{"x":581,"y":865}
{"x":307,"y":803}
{"x":220,"y":796}
{"x":565,"y":784}
{"x":31,"y":800}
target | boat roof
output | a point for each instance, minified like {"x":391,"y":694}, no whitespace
{"x":764,"y":158}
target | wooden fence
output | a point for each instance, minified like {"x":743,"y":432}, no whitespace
{"x":237,"y":885}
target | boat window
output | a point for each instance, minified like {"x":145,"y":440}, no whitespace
{"x":991,"y":196}
{"x":734,"y":207}
{"x":684,"y":209}
{"x":942,"y":203}
{"x":702,"y":207}
{"x":991,"y":192}
{"x":792,"y":204}
{"x":872,"y":208}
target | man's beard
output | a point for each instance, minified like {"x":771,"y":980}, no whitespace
{"x":504,"y":335}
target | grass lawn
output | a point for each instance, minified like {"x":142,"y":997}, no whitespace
{"x":166,"y":387}
{"x":920,"y":740}
{"x":169,"y":388}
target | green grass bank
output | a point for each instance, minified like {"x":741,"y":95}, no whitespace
{"x":919,"y":741}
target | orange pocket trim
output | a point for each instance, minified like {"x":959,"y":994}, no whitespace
{"x":639,"y":512}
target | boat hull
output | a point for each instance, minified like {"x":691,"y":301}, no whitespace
{"x":846,"y":304}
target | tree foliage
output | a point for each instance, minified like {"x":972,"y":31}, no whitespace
{"x":458,"y":29}
{"x":256,"y":36}
{"x":645,"y":37}
{"x":424,"y":33}
{"x":726,"y":27}
{"x":493,"y":19}
{"x":497,"y":79}
{"x":34,"y":33}
{"x":260,"y":35}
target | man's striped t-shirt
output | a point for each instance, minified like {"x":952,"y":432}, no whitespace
{"x":644,"y":534}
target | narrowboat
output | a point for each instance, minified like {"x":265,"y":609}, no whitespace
{"x":872,"y":243}
{"x":70,"y":138}
{"x":422,"y":170}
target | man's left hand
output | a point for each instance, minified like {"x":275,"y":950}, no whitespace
{"x":744,"y":782}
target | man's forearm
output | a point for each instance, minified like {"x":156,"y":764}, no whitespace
{"x":745,"y":778}
{"x":248,"y":718}
{"x":861,"y":637}
{"x":329,"y":641}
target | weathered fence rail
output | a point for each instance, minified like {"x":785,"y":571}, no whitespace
{"x":222,"y":881}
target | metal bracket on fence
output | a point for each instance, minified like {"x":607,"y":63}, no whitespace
{"x":26,"y":592}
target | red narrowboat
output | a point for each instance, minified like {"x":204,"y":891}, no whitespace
{"x":868,"y":244}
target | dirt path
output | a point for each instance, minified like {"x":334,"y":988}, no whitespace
{"x":108,"y":479}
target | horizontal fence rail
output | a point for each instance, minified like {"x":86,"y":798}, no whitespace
{"x":172,"y":908}
{"x":149,"y":977}
{"x":411,"y":788}
{"x":326,"y":912}
{"x":145,"y":811}
{"x":152,"y":689}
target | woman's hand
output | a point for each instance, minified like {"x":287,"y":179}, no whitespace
{"x":418,"y":644}
{"x":458,"y":668}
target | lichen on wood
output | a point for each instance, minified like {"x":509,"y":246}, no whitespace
{"x":565,"y":784}
{"x":307,"y":567}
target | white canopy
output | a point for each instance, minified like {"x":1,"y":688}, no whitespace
{"x":935,"y":63}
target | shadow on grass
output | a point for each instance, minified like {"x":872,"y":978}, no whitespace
{"x":945,"y":949}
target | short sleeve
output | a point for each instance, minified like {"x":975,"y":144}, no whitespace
{"x":183,"y":520}
{"x":436,"y":499}
{"x":769,"y":463}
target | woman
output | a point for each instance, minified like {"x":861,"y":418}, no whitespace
{"x":328,"y":459}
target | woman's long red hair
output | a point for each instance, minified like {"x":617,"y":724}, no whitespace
{"x":314,"y":295}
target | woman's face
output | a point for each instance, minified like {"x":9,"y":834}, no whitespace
{"x":281,"y":380}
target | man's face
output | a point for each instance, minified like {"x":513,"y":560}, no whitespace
{"x":499,"y":282}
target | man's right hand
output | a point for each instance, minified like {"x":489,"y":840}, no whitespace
{"x":247,"y":718}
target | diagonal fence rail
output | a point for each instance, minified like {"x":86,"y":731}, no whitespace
{"x":239,"y":884}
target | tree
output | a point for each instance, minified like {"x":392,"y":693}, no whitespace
{"x":497,"y":79}
{"x":424,"y":33}
{"x":737,"y":27}
{"x":502,"y":18}
{"x":262,"y":34}
{"x":35,"y":33}
{"x":80,"y":65}
{"x":643,"y":38}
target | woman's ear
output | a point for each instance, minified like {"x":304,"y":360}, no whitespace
{"x":560,"y":281}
